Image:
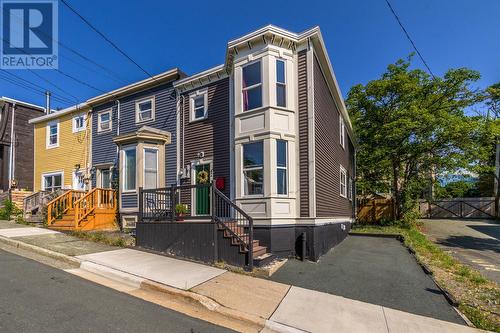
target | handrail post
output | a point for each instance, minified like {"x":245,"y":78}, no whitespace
{"x":250,"y":245}
{"x":141,"y":204}
{"x":172,"y":203}
{"x":214,"y":224}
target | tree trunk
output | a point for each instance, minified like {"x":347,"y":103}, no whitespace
{"x":396,"y":190}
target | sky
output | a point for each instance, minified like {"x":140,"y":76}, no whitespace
{"x":362,"y":38}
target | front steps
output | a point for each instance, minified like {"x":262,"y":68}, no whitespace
{"x":95,"y":221}
{"x":261,"y":256}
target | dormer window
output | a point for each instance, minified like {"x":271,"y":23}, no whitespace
{"x":199,"y":105}
{"x":252,"y":86}
{"x":145,"y":110}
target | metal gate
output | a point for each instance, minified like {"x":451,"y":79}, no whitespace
{"x":480,"y":208}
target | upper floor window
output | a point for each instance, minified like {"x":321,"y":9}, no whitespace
{"x":53,"y":134}
{"x":343,"y":182}
{"x":253,"y":168}
{"x":129,"y":169}
{"x":342,"y":131}
{"x":282,"y":166}
{"x":145,"y":110}
{"x":252,"y":86}
{"x":199,"y":105}
{"x":280,"y":83}
{"x":104,"y":122}
{"x":79,"y":123}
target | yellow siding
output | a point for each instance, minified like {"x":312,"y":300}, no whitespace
{"x":73,"y":149}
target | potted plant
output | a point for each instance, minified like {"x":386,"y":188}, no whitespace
{"x":180,"y":211}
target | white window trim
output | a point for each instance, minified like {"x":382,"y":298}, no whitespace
{"x":137,"y":110}
{"x":192,"y":117}
{"x":282,"y":168}
{"x":343,"y":185}
{"x":243,"y":187}
{"x":280,"y":83}
{"x":349,"y":188}
{"x":99,"y":176}
{"x":76,"y":129}
{"x":342,"y":131}
{"x":123,"y":169}
{"x":49,"y":174}
{"x":243,"y":89}
{"x":99,"y":130}
{"x":47,"y":130}
{"x":157,"y":165}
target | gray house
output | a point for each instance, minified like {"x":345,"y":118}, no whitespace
{"x":134,"y":140}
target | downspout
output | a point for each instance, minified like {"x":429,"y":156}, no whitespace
{"x":12,"y":143}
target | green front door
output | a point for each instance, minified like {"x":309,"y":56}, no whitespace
{"x":202,"y":203}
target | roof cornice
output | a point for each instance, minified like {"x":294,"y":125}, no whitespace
{"x":56,"y":114}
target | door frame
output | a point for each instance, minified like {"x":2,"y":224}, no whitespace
{"x":194,"y":164}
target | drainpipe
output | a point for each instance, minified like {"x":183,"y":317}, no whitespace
{"x":12,"y":144}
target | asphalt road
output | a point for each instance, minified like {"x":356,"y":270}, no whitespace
{"x":473,"y":242}
{"x":38,"y":298}
{"x":374,"y":270}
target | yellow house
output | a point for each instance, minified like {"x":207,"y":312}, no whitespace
{"x":61,"y":154}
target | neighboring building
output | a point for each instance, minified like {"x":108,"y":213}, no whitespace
{"x":271,"y":125}
{"x":133,"y":129}
{"x":62,"y":149}
{"x":16,"y":143}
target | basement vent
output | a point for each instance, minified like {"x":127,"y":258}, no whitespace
{"x":129,"y":222}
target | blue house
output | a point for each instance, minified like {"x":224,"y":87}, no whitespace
{"x":134,"y":140}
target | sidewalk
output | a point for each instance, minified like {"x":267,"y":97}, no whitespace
{"x":273,"y":306}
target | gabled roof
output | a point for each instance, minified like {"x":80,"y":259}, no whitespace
{"x":12,"y":100}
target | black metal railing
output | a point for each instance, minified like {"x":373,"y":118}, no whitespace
{"x":198,"y":202}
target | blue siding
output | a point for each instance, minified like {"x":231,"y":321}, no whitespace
{"x":129,"y":200}
{"x":103,"y":147}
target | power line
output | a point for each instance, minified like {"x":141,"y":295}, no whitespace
{"x":407,"y":36}
{"x":106,"y":38}
{"x":59,"y":97}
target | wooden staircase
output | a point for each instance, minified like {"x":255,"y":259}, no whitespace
{"x":78,"y":210}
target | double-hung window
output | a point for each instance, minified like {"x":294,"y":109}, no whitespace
{"x":104,"y":121}
{"x":342,"y":131}
{"x":53,"y":134}
{"x":282,"y":166}
{"x":280,"y":83}
{"x":150,"y":168}
{"x":145,"y":110}
{"x":199,"y":106}
{"x":52,"y":182}
{"x":252,"y":86}
{"x":79,"y":123}
{"x":129,"y":169}
{"x":350,"y":189}
{"x":253,"y":168}
{"x":343,"y":182}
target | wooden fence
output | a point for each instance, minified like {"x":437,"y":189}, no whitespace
{"x":375,"y":210}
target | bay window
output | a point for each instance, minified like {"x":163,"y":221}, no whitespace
{"x":129,"y":169}
{"x":150,"y":168}
{"x":253,"y":168}
{"x":252,"y":86}
{"x":282,"y":166}
{"x":280,"y":83}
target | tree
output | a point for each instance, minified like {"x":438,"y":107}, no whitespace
{"x":411,"y":127}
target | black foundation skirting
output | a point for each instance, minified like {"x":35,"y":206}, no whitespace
{"x":285,"y":241}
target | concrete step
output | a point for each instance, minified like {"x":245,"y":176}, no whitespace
{"x":263,"y":259}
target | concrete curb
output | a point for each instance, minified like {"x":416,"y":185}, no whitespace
{"x":40,"y":250}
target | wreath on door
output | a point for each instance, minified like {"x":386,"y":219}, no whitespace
{"x":202,"y":177}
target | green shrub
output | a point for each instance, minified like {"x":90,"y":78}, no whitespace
{"x":9,"y":210}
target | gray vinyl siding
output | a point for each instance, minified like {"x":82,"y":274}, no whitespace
{"x":104,"y":150}
{"x":212,"y":134}
{"x":303,"y":134}
{"x":329,"y":154}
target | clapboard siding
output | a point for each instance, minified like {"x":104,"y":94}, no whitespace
{"x":129,"y":200}
{"x":329,"y":154}
{"x":303,"y":134}
{"x":104,"y":150}
{"x":212,"y":134}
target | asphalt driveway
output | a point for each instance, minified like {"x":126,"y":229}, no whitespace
{"x":375,"y":270}
{"x":473,"y":242}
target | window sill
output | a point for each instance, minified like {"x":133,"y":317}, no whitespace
{"x":129,"y":192}
{"x":140,"y":122}
{"x":198,"y":120}
{"x":104,"y":131}
{"x":52,"y":146}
